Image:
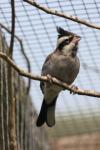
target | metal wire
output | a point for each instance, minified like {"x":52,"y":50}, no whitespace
{"x":24,"y":111}
{"x":74,"y":114}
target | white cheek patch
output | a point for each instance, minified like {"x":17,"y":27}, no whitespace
{"x":60,"y":40}
{"x":68,"y":48}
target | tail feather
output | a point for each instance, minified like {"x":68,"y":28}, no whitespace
{"x":42,"y":115}
{"x":50,"y":119}
{"x":47,"y":114}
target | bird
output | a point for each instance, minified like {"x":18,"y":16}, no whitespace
{"x":63,"y":64}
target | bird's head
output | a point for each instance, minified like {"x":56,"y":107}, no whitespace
{"x":67,"y":41}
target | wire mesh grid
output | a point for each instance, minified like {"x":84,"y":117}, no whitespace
{"x":74,"y":113}
{"x":25,"y":132}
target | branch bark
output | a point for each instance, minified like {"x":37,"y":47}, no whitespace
{"x":66,"y":16}
{"x":23,"y":52}
{"x":12,"y":29}
{"x":22,"y":72}
{"x":7,"y":29}
{"x":11,"y":99}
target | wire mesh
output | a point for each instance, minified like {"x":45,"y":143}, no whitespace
{"x":74,"y":114}
{"x":26,"y":134}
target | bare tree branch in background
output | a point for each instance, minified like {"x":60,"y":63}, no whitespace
{"x":23,"y":52}
{"x":66,"y":16}
{"x":12,"y":29}
{"x":2,"y":26}
{"x":11,"y":99}
{"x":22,"y":72}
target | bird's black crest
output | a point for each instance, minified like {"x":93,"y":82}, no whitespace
{"x":62,"y":32}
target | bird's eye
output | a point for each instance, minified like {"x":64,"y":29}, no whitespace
{"x":67,"y":41}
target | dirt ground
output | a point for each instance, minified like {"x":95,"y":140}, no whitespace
{"x":79,"y":142}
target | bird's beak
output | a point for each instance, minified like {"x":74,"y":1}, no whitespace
{"x":76,"y":39}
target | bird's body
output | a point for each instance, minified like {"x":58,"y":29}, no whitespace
{"x":62,"y":64}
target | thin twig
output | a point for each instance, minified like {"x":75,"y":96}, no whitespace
{"x":12,"y":28}
{"x":66,"y":16}
{"x":22,"y":72}
{"x":23,"y":52}
{"x":8,"y":30}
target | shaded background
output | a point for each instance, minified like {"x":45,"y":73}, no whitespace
{"x":74,"y":114}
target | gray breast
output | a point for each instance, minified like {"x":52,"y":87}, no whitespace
{"x":62,"y":67}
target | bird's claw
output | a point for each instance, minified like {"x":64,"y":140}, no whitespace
{"x":49,"y":78}
{"x":74,"y":88}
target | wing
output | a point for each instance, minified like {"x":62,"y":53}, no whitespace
{"x":45,"y":70}
{"x":42,"y":86}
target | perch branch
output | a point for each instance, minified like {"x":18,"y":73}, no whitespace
{"x":60,"y":14}
{"x":23,"y":52}
{"x":54,"y":80}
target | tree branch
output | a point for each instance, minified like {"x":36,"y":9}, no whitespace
{"x":11,"y":100}
{"x":66,"y":16}
{"x":9,"y":31}
{"x":23,"y":52}
{"x":45,"y":78}
{"x":12,"y":29}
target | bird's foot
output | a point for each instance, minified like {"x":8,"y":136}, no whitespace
{"x":49,"y":78}
{"x":74,"y":88}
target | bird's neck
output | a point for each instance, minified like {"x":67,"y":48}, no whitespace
{"x":68,"y":49}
